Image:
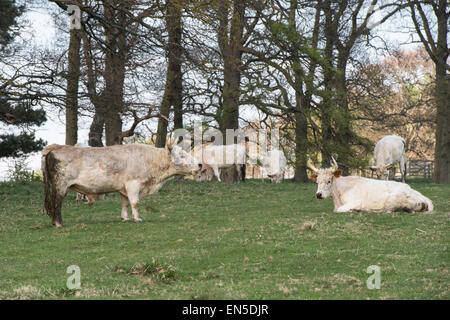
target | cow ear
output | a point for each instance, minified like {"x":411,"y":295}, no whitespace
{"x":337,"y":173}
{"x":314,"y":177}
{"x":390,"y":166}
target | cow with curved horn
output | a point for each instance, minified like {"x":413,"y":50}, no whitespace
{"x":353,"y":193}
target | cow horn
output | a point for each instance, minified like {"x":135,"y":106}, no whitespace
{"x":334,"y":164}
{"x":310,"y":166}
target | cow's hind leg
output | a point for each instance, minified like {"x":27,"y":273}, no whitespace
{"x":392,"y":173}
{"x":403,"y":168}
{"x":133,"y":190}
{"x":217,"y":173}
{"x":91,"y":200}
{"x":125,"y":204}
{"x":57,"y":218}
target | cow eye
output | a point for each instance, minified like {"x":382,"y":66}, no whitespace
{"x":329,"y":181}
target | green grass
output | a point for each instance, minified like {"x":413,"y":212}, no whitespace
{"x":209,"y":240}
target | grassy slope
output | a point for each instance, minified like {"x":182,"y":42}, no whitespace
{"x":218,"y":241}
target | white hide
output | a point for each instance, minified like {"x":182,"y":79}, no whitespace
{"x":274,"y":164}
{"x":389,"y":151}
{"x":223,"y":156}
{"x":363,"y":194}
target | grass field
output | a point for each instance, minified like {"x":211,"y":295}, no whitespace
{"x":208,"y":240}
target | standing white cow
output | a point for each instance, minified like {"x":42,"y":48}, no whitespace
{"x":215,"y":157}
{"x":133,"y":170}
{"x":389,"y":150}
{"x":363,"y":194}
{"x":274,"y":164}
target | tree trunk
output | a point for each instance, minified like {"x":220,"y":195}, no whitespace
{"x":326,"y":106}
{"x":96,"y":129}
{"x":231,"y":53}
{"x":230,"y":46}
{"x":442,"y":149}
{"x":442,"y":97}
{"x":177,"y":56}
{"x":344,"y":133}
{"x":229,"y":175}
{"x":301,"y":123}
{"x":301,"y":147}
{"x":164,"y":110}
{"x":116,"y":54}
{"x":301,"y":139}
{"x":72,"y":87}
{"x":174,"y":84}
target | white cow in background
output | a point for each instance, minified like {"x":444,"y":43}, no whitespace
{"x":89,"y":198}
{"x":389,"y":150}
{"x":362,"y":194}
{"x":215,"y":157}
{"x":274,"y":164}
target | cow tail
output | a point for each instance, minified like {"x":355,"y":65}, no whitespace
{"x":49,"y":187}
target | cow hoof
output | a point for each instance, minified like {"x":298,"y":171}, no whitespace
{"x":138,"y":220}
{"x":125,"y":220}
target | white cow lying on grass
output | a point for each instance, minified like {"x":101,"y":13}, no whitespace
{"x":274,"y":164}
{"x":215,"y":157}
{"x":388,"y":151}
{"x":363,"y":194}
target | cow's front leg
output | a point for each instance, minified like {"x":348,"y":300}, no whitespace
{"x":125,"y":204}
{"x":278,"y":178}
{"x":346,"y":208}
{"x":133,"y":188}
{"x":79,"y":198}
{"x":217,"y":173}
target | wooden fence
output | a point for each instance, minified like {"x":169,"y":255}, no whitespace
{"x":420,"y":168}
{"x":415,"y":168}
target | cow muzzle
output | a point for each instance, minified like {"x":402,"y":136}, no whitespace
{"x":319,"y":195}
